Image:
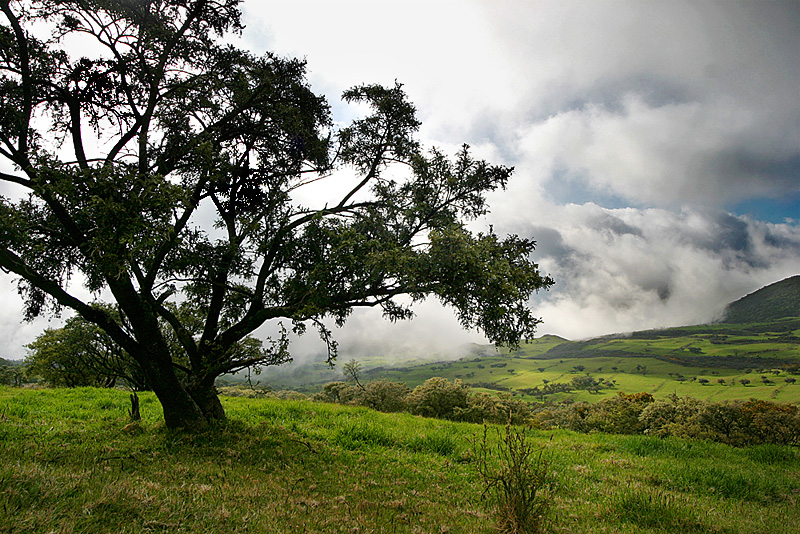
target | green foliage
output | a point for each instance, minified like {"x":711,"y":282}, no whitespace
{"x":438,"y":398}
{"x":494,"y":408}
{"x":384,"y":396}
{"x":11,"y":374}
{"x":737,"y":423}
{"x":671,"y":416}
{"x":82,"y":354}
{"x":619,"y":414}
{"x":516,"y":480}
{"x":184,"y":121}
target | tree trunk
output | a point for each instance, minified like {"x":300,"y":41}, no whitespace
{"x":207,"y":399}
{"x":181,"y":412}
{"x":135,"y":414}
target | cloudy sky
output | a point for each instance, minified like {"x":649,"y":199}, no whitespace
{"x":656,"y":144}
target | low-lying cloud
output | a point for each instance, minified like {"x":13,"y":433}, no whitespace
{"x":621,"y":270}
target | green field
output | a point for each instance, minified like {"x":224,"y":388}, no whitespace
{"x":705,"y":362}
{"x":70,"y":465}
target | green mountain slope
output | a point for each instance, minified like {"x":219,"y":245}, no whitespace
{"x":748,"y":357}
{"x":781,"y":299}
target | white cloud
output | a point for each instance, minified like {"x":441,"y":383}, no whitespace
{"x":630,"y":269}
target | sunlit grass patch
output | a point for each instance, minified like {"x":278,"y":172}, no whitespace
{"x":299,"y":466}
{"x":656,"y":509}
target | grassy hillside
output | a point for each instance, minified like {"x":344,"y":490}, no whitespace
{"x":705,"y":362}
{"x":781,"y":299}
{"x":70,"y":465}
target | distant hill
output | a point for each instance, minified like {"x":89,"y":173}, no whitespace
{"x":781,"y":299}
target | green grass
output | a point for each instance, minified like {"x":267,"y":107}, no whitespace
{"x":69,"y":464}
{"x":661,"y":362}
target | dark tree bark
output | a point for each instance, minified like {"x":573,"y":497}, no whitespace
{"x":135,"y":413}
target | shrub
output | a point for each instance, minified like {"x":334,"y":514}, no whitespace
{"x":383,"y":396}
{"x":770,"y":422}
{"x":331,"y":392}
{"x":571,"y":416}
{"x":11,"y":375}
{"x":241,"y":391}
{"x":723,"y":422}
{"x":619,"y":414}
{"x":380,"y":395}
{"x":671,"y":416}
{"x":517,"y":484}
{"x":438,"y":398}
{"x":287,"y":394}
{"x":498,"y":408}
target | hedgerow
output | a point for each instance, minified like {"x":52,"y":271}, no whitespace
{"x":737,"y":423}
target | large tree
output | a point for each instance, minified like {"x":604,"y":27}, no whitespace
{"x":162,"y":167}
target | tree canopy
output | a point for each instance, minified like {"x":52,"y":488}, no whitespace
{"x":81,"y":354}
{"x":124,"y":147}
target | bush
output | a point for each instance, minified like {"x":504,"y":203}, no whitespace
{"x":737,"y":423}
{"x":439,"y":398}
{"x":722,"y":421}
{"x":337,"y":392}
{"x":571,"y":417}
{"x":515,"y":474}
{"x":380,"y":395}
{"x":287,"y":394}
{"x":383,"y":396}
{"x":241,"y":391}
{"x":10,"y":374}
{"x":497,"y":408}
{"x":619,"y":414}
{"x":770,"y":422}
{"x":671,"y":416}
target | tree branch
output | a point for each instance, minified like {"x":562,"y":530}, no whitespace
{"x":25,"y":68}
{"x":15,"y":264}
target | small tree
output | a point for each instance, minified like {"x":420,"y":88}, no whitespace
{"x":124,"y":154}
{"x":352,"y":371}
{"x":671,"y":416}
{"x":384,"y":396}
